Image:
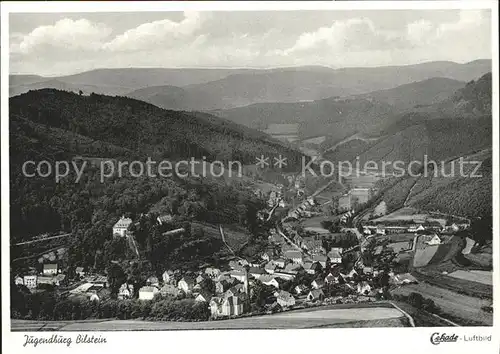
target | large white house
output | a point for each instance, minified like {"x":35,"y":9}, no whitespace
{"x":30,"y":281}
{"x":50,"y":269}
{"x":148,"y":292}
{"x":121,"y":227}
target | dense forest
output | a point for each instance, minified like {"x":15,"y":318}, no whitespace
{"x":55,"y":126}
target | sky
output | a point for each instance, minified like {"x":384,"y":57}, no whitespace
{"x":53,"y":44}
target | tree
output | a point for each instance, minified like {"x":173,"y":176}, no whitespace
{"x":261,"y":293}
{"x":116,"y":277}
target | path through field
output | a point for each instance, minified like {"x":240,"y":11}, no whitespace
{"x":458,"y":305}
{"x":286,"y":320}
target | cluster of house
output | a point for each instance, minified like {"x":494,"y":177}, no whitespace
{"x":50,"y":275}
{"x":228,"y":293}
{"x":428,"y":228}
{"x":122,"y":227}
{"x":355,"y":197}
{"x":276,"y":197}
{"x":425,"y":227}
{"x":88,"y":285}
{"x":303,"y":209}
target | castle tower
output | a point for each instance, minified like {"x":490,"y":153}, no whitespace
{"x":245,"y":281}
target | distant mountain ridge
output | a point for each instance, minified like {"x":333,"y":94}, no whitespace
{"x":419,"y":93}
{"x":210,"y":89}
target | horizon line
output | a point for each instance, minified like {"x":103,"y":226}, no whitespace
{"x":251,"y":68}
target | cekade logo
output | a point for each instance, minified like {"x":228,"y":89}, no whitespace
{"x":437,"y":338}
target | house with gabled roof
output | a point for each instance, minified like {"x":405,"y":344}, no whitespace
{"x":170,"y":290}
{"x":293,"y":268}
{"x":216,"y":306}
{"x":270,"y":267}
{"x":203,"y":296}
{"x":167,"y":276}
{"x":121,"y":227}
{"x":284,"y":275}
{"x":269,"y":280}
{"x":126,"y":291}
{"x":148,"y":292}
{"x":186,"y":284}
{"x":201,"y":277}
{"x":378,"y":250}
{"x":222,"y":286}
{"x":164,"y":219}
{"x":400,"y":279}
{"x":232,"y":306}
{"x":80,"y":271}
{"x":18,"y":280}
{"x":300,"y":289}
{"x":280,"y":262}
{"x":285,"y":299}
{"x":234,"y":264}
{"x":153,"y":281}
{"x":315,"y":295}
{"x":213,"y":272}
{"x":235,"y":290}
{"x":321,"y":259}
{"x":312,"y":267}
{"x":318,"y":283}
{"x":364,"y":288}
{"x":256,"y":272}
{"x":239,"y":275}
{"x":331,"y":279}
{"x":313,"y":246}
{"x":335,"y":256}
{"x":349,"y":275}
{"x":50,"y":269}
{"x":431,"y":240}
{"x":367,"y":270}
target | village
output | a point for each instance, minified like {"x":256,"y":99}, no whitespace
{"x":297,"y":269}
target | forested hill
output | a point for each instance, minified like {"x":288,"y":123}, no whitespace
{"x":473,"y":100}
{"x":144,"y":128}
{"x":55,"y":126}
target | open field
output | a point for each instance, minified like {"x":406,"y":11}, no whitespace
{"x":310,"y":318}
{"x":422,"y":318}
{"x":318,"y":230}
{"x":437,"y":254}
{"x":423,"y":256}
{"x":482,"y":257}
{"x":461,"y":286}
{"x":479,"y":276}
{"x":236,"y":235}
{"x":409,"y":214}
{"x":401,"y":237}
{"x":399,"y":246}
{"x":314,"y":221}
{"x":456,"y":305}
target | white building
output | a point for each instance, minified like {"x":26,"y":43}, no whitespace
{"x":121,"y":227}
{"x":126,"y":291}
{"x":50,"y":269}
{"x":434,"y":240}
{"x":148,"y":292}
{"x":186,"y":284}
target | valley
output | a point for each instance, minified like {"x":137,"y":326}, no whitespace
{"x":274,"y":247}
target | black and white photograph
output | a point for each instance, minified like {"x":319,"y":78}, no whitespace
{"x":241,"y":167}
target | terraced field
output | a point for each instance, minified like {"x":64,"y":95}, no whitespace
{"x":478,"y":276}
{"x":459,"y":306}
